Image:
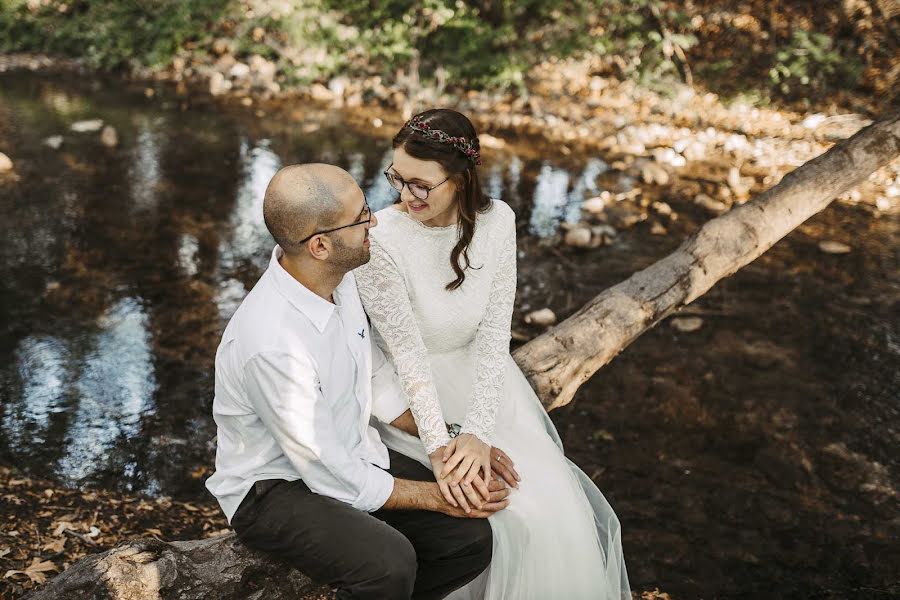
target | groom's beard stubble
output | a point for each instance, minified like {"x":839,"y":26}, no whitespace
{"x":348,"y":258}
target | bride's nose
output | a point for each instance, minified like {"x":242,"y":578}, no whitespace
{"x":406,"y":195}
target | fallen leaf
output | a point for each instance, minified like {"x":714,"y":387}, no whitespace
{"x":61,"y":526}
{"x":57,"y":545}
{"x":35,"y":571}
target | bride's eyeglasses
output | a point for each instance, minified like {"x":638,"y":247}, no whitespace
{"x":416,"y":189}
{"x":365,"y":214}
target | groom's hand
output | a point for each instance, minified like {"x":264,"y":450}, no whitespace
{"x":503,"y":466}
{"x":497,"y":500}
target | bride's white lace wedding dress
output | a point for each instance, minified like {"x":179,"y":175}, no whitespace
{"x":559,"y":537}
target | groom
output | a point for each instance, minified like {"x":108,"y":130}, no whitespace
{"x":300,"y":472}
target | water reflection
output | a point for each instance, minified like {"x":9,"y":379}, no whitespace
{"x":115,"y":386}
{"x":42,"y":362}
{"x":249,"y":237}
{"x":144,"y":174}
{"x":379,"y":192}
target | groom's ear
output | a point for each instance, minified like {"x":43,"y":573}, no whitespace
{"x":319,"y":247}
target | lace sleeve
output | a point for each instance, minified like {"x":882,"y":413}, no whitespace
{"x":492,"y":346}
{"x":384,"y":296}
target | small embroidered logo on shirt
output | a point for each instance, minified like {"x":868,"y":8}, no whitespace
{"x":362,"y":333}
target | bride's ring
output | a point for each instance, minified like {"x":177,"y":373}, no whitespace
{"x":499,"y":458}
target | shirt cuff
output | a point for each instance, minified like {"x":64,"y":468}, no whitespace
{"x":379,"y":487}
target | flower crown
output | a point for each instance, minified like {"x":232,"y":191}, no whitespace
{"x":460,"y":143}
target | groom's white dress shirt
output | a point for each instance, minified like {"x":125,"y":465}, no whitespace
{"x":293,"y":395}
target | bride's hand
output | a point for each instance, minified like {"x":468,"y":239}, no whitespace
{"x":466,"y":455}
{"x":453,"y":497}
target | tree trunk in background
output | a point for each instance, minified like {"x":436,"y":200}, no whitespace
{"x":556,"y":363}
{"x":560,"y":360}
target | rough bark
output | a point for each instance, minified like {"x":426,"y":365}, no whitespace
{"x":149,"y":569}
{"x":560,"y":360}
{"x":556,"y":363}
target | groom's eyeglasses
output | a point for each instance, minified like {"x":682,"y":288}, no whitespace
{"x":365,"y":214}
{"x":416,"y":189}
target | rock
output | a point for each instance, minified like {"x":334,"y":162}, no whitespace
{"x":710,"y":204}
{"x":686,"y":324}
{"x":658,"y":229}
{"x":239,"y":70}
{"x":338,"y":86}
{"x":263,"y":70}
{"x":218,"y":567}
{"x":882,"y":203}
{"x":604,"y":235}
{"x":218,"y":85}
{"x":320,"y":93}
{"x":832,"y":247}
{"x":87,"y":126}
{"x":813,"y":121}
{"x":488,"y":141}
{"x":579,"y":237}
{"x":54,"y":141}
{"x":542,"y":318}
{"x":6,"y":164}
{"x":597,"y":204}
{"x":653,"y":173}
{"x":222,"y":46}
{"x":662,"y":208}
{"x":109,"y":137}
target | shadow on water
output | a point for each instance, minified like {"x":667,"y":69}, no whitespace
{"x":755,"y":456}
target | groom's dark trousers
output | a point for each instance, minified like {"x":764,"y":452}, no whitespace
{"x":386,"y":554}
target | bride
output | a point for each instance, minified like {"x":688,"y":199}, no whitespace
{"x":439,"y":290}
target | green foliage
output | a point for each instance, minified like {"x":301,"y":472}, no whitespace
{"x":106,"y":33}
{"x":645,"y":38}
{"x":476,"y":43}
{"x":811,"y":63}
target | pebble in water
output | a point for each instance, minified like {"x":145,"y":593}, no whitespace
{"x":109,"y":137}
{"x":54,"y":141}
{"x":687,"y":324}
{"x":832,"y":247}
{"x":88,"y":126}
{"x":542,"y":318}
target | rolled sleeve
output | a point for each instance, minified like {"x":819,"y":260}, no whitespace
{"x":284,"y":392}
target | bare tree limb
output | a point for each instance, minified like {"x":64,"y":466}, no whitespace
{"x":559,"y":361}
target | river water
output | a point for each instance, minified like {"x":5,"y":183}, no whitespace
{"x":756,"y":457}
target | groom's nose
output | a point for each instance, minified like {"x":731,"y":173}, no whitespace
{"x":373,"y":222}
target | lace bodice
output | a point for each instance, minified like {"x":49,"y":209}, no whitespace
{"x":414,"y":316}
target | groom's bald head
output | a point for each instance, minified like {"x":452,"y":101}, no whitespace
{"x":303,"y":199}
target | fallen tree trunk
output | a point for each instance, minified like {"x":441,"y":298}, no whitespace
{"x":556,"y":363}
{"x":560,"y":360}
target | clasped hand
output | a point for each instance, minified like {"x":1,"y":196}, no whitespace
{"x":465,"y":467}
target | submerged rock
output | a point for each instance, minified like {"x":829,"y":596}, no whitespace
{"x":687,"y":324}
{"x":109,"y":137}
{"x":6,"y":164}
{"x":88,"y":126}
{"x":832,"y":247}
{"x":54,"y":141}
{"x":542,"y":318}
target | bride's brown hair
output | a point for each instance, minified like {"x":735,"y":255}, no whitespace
{"x":470,"y":198}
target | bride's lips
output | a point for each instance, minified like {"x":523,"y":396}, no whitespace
{"x":417,"y":206}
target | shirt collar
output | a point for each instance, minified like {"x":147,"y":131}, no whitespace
{"x":316,"y":308}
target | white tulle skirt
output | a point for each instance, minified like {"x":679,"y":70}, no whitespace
{"x":559,"y":537}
